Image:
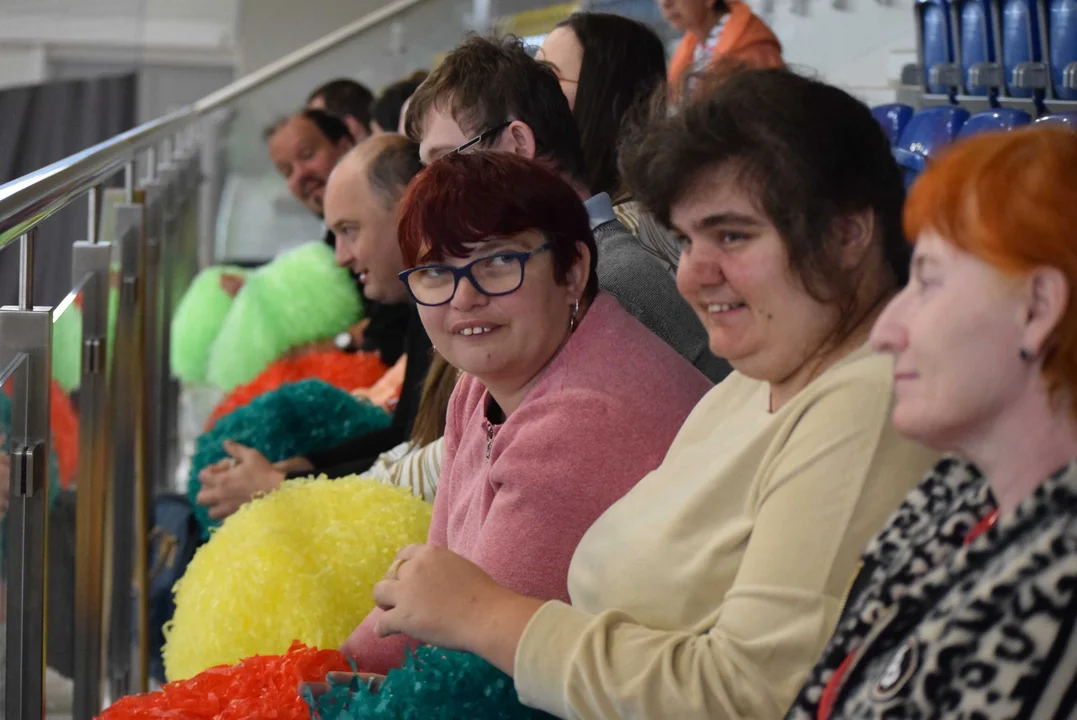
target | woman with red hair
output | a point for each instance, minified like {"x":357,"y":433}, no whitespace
{"x":966,"y":603}
{"x":566,"y":400}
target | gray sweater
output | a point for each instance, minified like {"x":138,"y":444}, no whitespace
{"x":645,"y":288}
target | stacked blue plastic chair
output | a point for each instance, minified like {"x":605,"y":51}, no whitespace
{"x":998,"y":120}
{"x":927,"y":133}
{"x":937,"y":48}
{"x":978,"y":47}
{"x":893,"y":118}
{"x":1065,"y":119}
{"x":1062,"y":37}
{"x":1020,"y":41}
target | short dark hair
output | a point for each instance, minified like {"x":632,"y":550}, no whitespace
{"x":464,"y":200}
{"x":386,"y":108}
{"x":809,"y":152}
{"x":344,"y":97}
{"x":485,"y":82}
{"x":330,"y":126}
{"x":392,"y":169}
{"x":624,"y":64}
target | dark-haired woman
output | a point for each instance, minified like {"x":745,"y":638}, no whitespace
{"x":716,"y":32}
{"x":710,"y":589}
{"x":566,"y":400}
{"x":608,"y":67}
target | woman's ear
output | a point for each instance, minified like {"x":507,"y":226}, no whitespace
{"x":854,"y":234}
{"x":579,"y":273}
{"x":1048,"y":298}
{"x":521,"y":140}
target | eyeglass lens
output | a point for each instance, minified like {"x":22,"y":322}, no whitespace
{"x":496,"y":275}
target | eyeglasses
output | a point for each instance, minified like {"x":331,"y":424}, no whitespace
{"x":482,"y":137}
{"x":494,"y":275}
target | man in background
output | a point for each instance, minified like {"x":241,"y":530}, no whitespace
{"x":348,"y":100}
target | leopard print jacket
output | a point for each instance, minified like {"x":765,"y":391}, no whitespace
{"x":936,"y":628}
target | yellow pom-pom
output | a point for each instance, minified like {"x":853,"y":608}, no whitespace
{"x":297,"y":564}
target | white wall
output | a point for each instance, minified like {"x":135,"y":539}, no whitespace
{"x":22,"y":64}
{"x":37,"y":34}
{"x":270,"y":29}
{"x":861,"y":45}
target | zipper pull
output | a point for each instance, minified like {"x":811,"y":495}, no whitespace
{"x":489,"y":438}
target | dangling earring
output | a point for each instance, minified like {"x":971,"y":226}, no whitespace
{"x":572,"y":320}
{"x":1025,"y":354}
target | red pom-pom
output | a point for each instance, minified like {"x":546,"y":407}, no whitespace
{"x":263,"y":686}
{"x":64,"y":432}
{"x":64,"y":424}
{"x":346,"y":371}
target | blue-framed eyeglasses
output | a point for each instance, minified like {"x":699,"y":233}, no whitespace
{"x":482,"y":137}
{"x":493,"y":275}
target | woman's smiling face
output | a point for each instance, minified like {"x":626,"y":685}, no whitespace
{"x":507,"y":339}
{"x":735,"y":273}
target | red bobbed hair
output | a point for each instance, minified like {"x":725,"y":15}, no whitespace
{"x":465,"y":200}
{"x":1007,"y":198}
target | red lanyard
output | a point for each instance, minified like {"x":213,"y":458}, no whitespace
{"x":830,"y":692}
{"x":981,"y":527}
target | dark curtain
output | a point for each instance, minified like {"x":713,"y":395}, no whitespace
{"x":42,"y":124}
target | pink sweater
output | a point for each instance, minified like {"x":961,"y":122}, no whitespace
{"x":602,"y":415}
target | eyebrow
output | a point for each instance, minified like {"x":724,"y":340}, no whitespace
{"x":726,"y":219}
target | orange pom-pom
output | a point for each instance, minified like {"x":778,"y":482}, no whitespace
{"x":346,"y":371}
{"x":263,"y":686}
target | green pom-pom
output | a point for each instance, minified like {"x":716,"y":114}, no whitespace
{"x":290,"y":421}
{"x":67,"y":348}
{"x":299,"y":563}
{"x":299,"y":298}
{"x":433,"y":684}
{"x":197,"y":322}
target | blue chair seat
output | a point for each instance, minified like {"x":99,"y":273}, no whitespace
{"x":927,"y":132}
{"x":1000,"y":120}
{"x":1068,"y":120}
{"x":893,"y":118}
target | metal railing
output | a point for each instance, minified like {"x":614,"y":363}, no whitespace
{"x":128,"y":400}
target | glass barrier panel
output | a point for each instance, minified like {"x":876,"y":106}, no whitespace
{"x":8,"y":377}
{"x":257,"y":216}
{"x":64,"y":452}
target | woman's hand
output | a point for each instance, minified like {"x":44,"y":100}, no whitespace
{"x":438,"y":597}
{"x":231,"y":483}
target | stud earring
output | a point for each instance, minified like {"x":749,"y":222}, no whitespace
{"x":1025,"y":354}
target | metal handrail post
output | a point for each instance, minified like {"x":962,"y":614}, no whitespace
{"x":91,"y":260}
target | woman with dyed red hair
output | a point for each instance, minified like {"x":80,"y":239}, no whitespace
{"x":566,"y":400}
{"x":966,"y":603}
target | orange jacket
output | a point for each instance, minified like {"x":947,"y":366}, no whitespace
{"x":745,"y":38}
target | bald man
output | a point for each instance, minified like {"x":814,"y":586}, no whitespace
{"x":361,"y":202}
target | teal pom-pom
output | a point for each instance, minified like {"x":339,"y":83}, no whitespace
{"x":299,"y":298}
{"x":197,"y":322}
{"x":290,"y":421}
{"x":67,"y":348}
{"x":433,"y":684}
